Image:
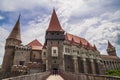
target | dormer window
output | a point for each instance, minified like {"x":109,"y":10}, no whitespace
{"x":44,"y":53}
{"x":57,"y":33}
{"x":52,"y":33}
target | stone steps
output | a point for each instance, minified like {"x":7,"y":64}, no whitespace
{"x":54,"y":77}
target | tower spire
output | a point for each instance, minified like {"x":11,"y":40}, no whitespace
{"x":88,"y":46}
{"x":111,"y":49}
{"x":54,"y":23}
{"x":15,"y":33}
{"x":80,"y":44}
{"x":72,"y":41}
{"x":110,"y":45}
{"x":95,"y":48}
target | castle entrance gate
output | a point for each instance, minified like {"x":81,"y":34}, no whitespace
{"x":55,"y":68}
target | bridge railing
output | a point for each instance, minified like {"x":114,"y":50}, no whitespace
{"x":65,"y":75}
{"x":74,"y":76}
{"x":36,"y":76}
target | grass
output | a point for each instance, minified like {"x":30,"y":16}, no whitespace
{"x":113,"y":73}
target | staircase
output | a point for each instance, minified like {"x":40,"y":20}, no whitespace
{"x":54,"y":77}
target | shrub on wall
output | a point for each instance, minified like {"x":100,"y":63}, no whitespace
{"x":113,"y":72}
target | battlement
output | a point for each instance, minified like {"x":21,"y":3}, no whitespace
{"x":34,"y":65}
{"x":19,"y":47}
{"x":19,"y":68}
{"x":22,"y":47}
{"x":10,"y":46}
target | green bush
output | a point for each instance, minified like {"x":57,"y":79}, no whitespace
{"x":113,"y":72}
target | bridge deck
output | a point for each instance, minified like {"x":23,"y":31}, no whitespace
{"x":54,"y":77}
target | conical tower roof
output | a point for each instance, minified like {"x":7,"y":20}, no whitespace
{"x":95,"y":48}
{"x":54,"y":23}
{"x":15,"y":33}
{"x":110,"y":45}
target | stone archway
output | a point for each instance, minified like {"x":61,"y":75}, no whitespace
{"x":55,"y":69}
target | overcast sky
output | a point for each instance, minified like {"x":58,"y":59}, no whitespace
{"x":95,"y":20}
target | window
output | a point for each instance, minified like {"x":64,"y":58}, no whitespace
{"x":68,"y":67}
{"x":54,"y":51}
{"x":77,"y":52}
{"x":54,"y":61}
{"x":68,"y":50}
{"x":65,"y":49}
{"x":44,"y":53}
{"x":21,"y":62}
{"x":21,"y":52}
{"x":52,"y":33}
{"x":74,"y":51}
{"x":34,"y":56}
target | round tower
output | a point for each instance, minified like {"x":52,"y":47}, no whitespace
{"x":13,"y":39}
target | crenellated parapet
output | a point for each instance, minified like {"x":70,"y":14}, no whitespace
{"x":22,"y":47}
{"x":19,"y":68}
{"x":34,"y":65}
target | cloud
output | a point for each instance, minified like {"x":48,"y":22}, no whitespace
{"x":3,"y":34}
{"x":36,"y":30}
{"x":1,"y":17}
{"x":15,"y":5}
{"x":100,"y":31}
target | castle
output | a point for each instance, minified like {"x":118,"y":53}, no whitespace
{"x":61,"y":51}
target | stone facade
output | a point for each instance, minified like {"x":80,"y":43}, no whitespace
{"x":61,"y":51}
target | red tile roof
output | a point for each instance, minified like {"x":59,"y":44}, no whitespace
{"x":36,"y":45}
{"x":76,"y":39}
{"x":54,"y":23}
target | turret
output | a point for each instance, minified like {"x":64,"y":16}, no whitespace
{"x":13,"y":39}
{"x":54,"y":30}
{"x":80,"y":44}
{"x":111,"y":49}
{"x":95,"y":48}
{"x":54,"y":43}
